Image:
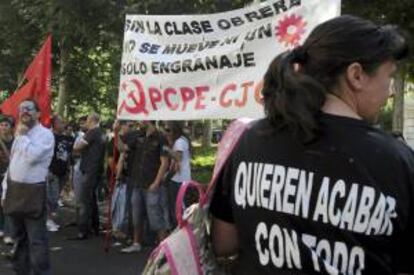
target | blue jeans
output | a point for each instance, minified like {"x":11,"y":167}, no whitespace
{"x":54,"y":184}
{"x":32,"y":245}
{"x":4,"y":223}
{"x":77,"y":181}
{"x":153,"y":205}
{"x":4,"y":220}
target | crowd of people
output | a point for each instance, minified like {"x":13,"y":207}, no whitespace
{"x":80,"y":161}
{"x":152,"y":164}
{"x":311,"y":188}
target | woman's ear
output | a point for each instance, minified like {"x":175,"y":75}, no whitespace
{"x":355,"y":77}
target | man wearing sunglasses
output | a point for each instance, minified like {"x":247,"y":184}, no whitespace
{"x":24,"y":199}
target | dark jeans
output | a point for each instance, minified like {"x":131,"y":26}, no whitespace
{"x":31,"y":244}
{"x":4,"y":223}
{"x":130,"y":229}
{"x":4,"y":220}
{"x":54,"y":188}
{"x":173,"y":188}
{"x":88,"y":205}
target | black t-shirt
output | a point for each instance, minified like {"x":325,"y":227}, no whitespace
{"x":343,"y":203}
{"x":61,"y":155}
{"x":92,"y":156}
{"x":130,"y":139}
{"x":4,"y":159}
{"x":147,"y":151}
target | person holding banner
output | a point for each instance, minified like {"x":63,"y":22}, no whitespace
{"x":314,"y":187}
{"x":150,"y":162}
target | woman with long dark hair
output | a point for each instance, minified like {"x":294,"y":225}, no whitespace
{"x":314,"y":187}
{"x":180,"y":164}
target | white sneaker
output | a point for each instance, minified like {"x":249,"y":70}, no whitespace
{"x":136,"y":247}
{"x":8,"y":240}
{"x":52,"y":226}
{"x":60,"y":203}
{"x":1,"y":233}
{"x":116,"y":244}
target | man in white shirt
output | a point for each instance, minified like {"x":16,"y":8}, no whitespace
{"x":30,"y":158}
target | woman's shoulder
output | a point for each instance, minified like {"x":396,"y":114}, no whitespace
{"x":182,"y":141}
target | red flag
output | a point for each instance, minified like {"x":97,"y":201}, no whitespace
{"x":10,"y":105}
{"x":38,"y":75}
{"x":40,"y":69}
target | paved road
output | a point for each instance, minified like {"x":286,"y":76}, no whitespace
{"x":84,"y":257}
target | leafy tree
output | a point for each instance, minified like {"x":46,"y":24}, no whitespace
{"x":88,"y":41}
{"x":87,"y":37}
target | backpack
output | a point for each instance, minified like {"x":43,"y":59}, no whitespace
{"x":188,"y":250}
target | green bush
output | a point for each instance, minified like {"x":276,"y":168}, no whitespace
{"x":204,"y":157}
{"x":203,"y":163}
{"x":202,"y":176}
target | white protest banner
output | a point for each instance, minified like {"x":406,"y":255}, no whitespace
{"x":209,"y":66}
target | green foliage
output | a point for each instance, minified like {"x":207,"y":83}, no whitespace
{"x":89,"y":34}
{"x":203,"y":163}
{"x":202,"y":176}
{"x":17,"y":39}
{"x":204,"y":157}
{"x":4,"y":95}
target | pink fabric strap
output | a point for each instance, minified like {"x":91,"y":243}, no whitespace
{"x":194,"y":247}
{"x":228,"y":142}
{"x":170,"y":259}
{"x":186,"y":259}
{"x":180,"y":199}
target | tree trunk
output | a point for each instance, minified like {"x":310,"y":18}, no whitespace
{"x":207,"y":132}
{"x":62,"y":84}
{"x":398,"y":113}
{"x":192,"y":127}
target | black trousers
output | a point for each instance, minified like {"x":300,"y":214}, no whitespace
{"x":88,"y":205}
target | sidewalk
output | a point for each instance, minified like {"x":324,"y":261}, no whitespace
{"x":83,"y":257}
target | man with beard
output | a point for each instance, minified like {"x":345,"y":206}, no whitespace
{"x":24,"y":196}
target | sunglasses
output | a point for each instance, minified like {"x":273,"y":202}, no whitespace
{"x":27,"y":109}
{"x":168,"y":130}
